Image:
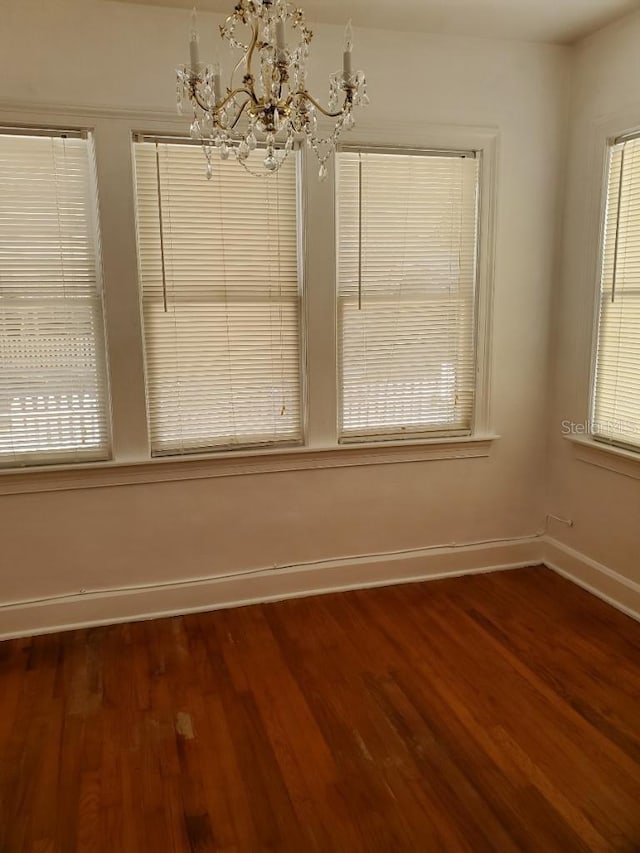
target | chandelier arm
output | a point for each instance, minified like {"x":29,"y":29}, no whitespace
{"x":239,"y":116}
{"x":223,"y":103}
{"x":239,"y":91}
{"x":237,"y":66}
{"x":249,"y":54}
{"x":196,"y":98}
{"x":318,"y":106}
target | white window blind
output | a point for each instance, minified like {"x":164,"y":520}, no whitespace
{"x":53,"y":388}
{"x":616,"y":399}
{"x":220,"y":296}
{"x":407,"y":237}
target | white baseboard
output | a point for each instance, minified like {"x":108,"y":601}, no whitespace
{"x":60,"y":613}
{"x":615,"y":589}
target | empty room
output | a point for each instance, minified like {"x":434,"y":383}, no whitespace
{"x":319,"y":426}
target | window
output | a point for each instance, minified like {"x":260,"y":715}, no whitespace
{"x":225,"y":352}
{"x":221,"y":300}
{"x":407,"y":244}
{"x":53,"y":388}
{"x":616,"y":394}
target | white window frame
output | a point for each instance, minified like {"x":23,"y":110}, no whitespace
{"x":113,"y":132}
{"x":419,"y":435}
{"x":585,"y":447}
{"x":322,"y":298}
{"x":298,"y":153}
{"x":47,"y":459}
{"x":600,"y":440}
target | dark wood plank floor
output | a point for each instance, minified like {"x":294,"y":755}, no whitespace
{"x":497,"y":712}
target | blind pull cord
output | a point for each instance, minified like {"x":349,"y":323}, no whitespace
{"x":164,"y":271}
{"x":617,"y":239}
{"x":359,"y":232}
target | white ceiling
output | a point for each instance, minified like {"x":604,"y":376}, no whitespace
{"x":562,"y":21}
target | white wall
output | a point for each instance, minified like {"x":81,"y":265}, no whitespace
{"x":604,"y":505}
{"x":112,"y":55}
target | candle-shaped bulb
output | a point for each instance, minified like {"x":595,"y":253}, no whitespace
{"x":280,"y":43}
{"x":194,"y":43}
{"x":346,"y":56}
{"x":217,"y":84}
{"x":348,"y":37}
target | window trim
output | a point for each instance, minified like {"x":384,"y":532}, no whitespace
{"x":80,"y":131}
{"x":112,"y":129}
{"x":412,"y":435}
{"x":161,"y":469}
{"x":595,"y":441}
{"x":451,"y":140}
{"x":298,"y":152}
{"x":611,"y":457}
{"x":598,"y":134}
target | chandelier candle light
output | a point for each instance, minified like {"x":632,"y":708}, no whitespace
{"x":270,"y":102}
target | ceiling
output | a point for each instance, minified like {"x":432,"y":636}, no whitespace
{"x":561,"y":21}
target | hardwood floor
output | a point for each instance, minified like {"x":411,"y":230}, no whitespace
{"x":496,"y":712}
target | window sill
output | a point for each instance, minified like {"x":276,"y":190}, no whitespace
{"x":617,"y":459}
{"x":230,"y":464}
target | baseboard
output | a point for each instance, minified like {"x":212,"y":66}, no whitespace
{"x":615,"y":589}
{"x":104,"y":607}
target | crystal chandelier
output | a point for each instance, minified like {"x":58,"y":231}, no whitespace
{"x":269,"y":103}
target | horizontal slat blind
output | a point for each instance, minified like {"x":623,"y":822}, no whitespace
{"x":53,"y":388}
{"x":222,"y":325}
{"x":407,"y":241}
{"x":616,"y":410}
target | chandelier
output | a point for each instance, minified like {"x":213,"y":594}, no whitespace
{"x":266,"y":102}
